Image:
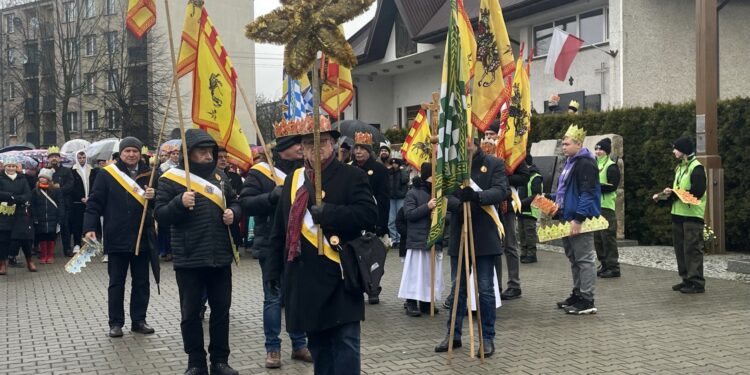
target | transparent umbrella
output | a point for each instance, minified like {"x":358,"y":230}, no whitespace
{"x":103,"y":150}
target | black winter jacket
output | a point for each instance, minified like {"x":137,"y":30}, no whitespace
{"x":46,"y":215}
{"x":418,"y":216}
{"x":63,"y":176}
{"x":79,"y":192}
{"x":15,"y":192}
{"x":199,"y":237}
{"x":402,"y":226}
{"x":255,"y":202}
{"x":488,"y":172}
{"x":121,"y":212}
{"x":314,"y":295}
{"x":398,"y":181}
{"x":378,"y":178}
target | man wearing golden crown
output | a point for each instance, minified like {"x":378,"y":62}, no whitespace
{"x":259,"y":197}
{"x":316,"y":299}
{"x":578,"y":197}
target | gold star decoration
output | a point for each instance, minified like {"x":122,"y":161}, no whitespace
{"x":306,"y":27}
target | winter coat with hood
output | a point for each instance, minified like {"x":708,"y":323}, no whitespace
{"x":199,"y":237}
{"x":80,"y":189}
{"x":378,"y":177}
{"x":583,"y":196}
{"x":121,"y":211}
{"x":47,"y":215}
{"x":15,"y":192}
{"x":398,"y":180}
{"x":418,"y":215}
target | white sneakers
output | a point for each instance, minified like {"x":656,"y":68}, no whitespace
{"x":105,"y":258}
{"x":76,"y":249}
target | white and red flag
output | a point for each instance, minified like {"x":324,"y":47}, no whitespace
{"x":562,"y":51}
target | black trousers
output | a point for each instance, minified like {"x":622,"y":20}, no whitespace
{"x":217,"y":283}
{"x":76,"y":222}
{"x":139,"y":292}
{"x":65,"y":229}
{"x":25,"y":245}
{"x":4,"y":245}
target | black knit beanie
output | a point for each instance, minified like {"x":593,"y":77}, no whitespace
{"x":684,"y":145}
{"x":605,"y":145}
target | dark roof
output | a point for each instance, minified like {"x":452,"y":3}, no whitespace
{"x":427,"y":21}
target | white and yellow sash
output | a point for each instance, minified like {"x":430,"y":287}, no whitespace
{"x":265,"y":169}
{"x":309,"y":229}
{"x":492,"y":211}
{"x":197,"y":184}
{"x":516,"y":200}
{"x":127,"y":183}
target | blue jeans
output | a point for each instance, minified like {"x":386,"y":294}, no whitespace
{"x":272,"y":319}
{"x":335,"y":351}
{"x":485,"y":274}
{"x":396,"y":205}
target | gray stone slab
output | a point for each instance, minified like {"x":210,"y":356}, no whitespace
{"x":739,"y":266}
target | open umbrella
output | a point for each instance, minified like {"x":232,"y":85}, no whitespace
{"x":73,"y":146}
{"x":103,"y":150}
{"x":14,"y":148}
{"x":26,"y":162}
{"x":349,"y":127}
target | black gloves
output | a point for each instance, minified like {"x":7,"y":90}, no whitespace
{"x":317,"y":212}
{"x":274,"y":195}
{"x":467,"y":194}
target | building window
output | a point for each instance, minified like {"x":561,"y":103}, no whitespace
{"x":112,"y":78}
{"x":73,"y":121}
{"x":69,"y":11}
{"x":92,"y":120}
{"x":590,"y":26}
{"x":112,"y":119}
{"x":11,"y":56}
{"x":10,"y":91}
{"x":90,"y":42}
{"x":90,"y":83}
{"x":71,"y":48}
{"x":89,"y":8}
{"x":10,"y":26}
{"x":404,"y":45}
{"x":111,"y":37}
{"x":111,"y":6}
{"x":13,"y":125}
{"x":411,"y":114}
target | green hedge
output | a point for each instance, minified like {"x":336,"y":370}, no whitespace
{"x":648,"y":134}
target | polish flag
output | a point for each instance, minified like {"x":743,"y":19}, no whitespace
{"x":562,"y":51}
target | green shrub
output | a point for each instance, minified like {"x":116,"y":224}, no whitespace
{"x":396,"y":135}
{"x":647,"y":135}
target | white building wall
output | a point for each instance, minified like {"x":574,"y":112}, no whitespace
{"x":374,"y":101}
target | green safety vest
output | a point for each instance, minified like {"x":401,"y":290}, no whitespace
{"x":534,"y":212}
{"x":608,"y":199}
{"x":682,"y":180}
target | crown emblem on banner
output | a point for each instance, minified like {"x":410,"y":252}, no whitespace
{"x":363,"y":138}
{"x":53,"y":150}
{"x":575,"y":133}
{"x":287,"y":128}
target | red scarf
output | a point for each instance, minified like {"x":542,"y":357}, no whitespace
{"x":297,"y":212}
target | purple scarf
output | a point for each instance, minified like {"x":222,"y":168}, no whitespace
{"x":562,"y":181}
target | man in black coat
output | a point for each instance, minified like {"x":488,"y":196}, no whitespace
{"x":260,"y":195}
{"x":315,"y":298}
{"x":518,"y":181}
{"x":120,"y":194}
{"x":235,"y":180}
{"x":489,"y":189}
{"x":202,"y":249}
{"x":63,"y":177}
{"x":83,"y":181}
{"x":378,"y":178}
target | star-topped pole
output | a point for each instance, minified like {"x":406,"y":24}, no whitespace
{"x":306,"y":27}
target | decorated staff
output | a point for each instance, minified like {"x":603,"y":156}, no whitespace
{"x":198,"y":214}
{"x":120,"y":194}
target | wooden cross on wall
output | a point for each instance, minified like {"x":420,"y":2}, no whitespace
{"x":434,"y":108}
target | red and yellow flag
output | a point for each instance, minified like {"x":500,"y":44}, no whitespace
{"x":416,"y":148}
{"x":141,"y":16}
{"x":516,"y":134}
{"x":337,"y":91}
{"x":214,"y":85}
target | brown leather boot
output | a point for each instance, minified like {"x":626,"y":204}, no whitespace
{"x":3,"y":267}
{"x":273,"y":359}
{"x":302,"y":355}
{"x":30,"y":264}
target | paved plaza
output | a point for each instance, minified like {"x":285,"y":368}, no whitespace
{"x":56,"y":323}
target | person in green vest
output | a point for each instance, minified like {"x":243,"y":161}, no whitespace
{"x":687,"y":219}
{"x":605,"y":241}
{"x":529,"y":215}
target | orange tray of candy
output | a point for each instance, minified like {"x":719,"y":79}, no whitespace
{"x":686,"y":197}
{"x":547,"y":206}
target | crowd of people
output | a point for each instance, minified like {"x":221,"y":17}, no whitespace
{"x":196,"y":220}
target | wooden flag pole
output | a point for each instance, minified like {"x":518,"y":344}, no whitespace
{"x":476,"y":287}
{"x":316,"y":147}
{"x":465,"y":239}
{"x":185,"y":155}
{"x":454,"y":305}
{"x":469,"y":248}
{"x":254,"y":120}
{"x":153,"y":168}
{"x":338,"y":112}
{"x":434,"y":108}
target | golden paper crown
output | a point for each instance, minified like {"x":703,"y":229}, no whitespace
{"x":573,"y":104}
{"x":53,"y":150}
{"x":303,"y":126}
{"x":575,"y":133}
{"x":363,"y":138}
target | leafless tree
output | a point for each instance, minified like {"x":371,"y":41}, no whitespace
{"x":268,"y":113}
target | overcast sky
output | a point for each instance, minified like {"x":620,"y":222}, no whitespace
{"x":269,"y":58}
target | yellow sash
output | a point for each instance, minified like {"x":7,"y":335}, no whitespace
{"x":127,"y":183}
{"x":516,"y":200}
{"x":264,"y":168}
{"x":198,"y":185}
{"x":309,"y":229}
{"x":492,"y":211}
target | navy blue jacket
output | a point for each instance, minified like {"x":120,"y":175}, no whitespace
{"x":583,"y":196}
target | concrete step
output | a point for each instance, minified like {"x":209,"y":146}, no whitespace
{"x":627,"y":243}
{"x":739,"y":266}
